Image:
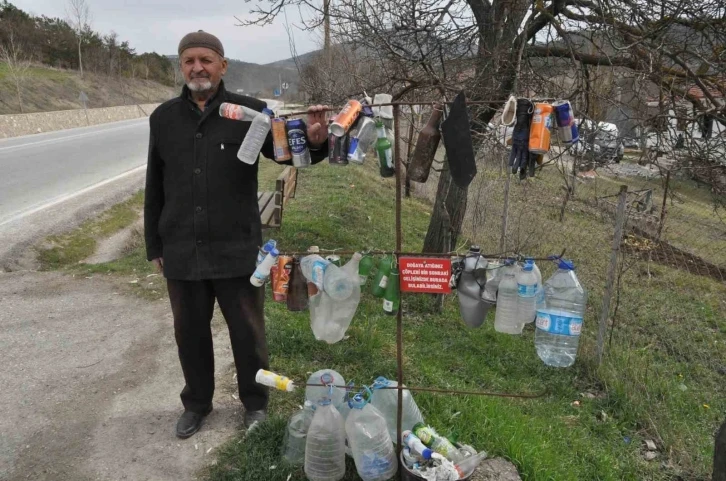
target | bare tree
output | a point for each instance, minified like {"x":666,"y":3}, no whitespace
{"x":574,"y":49}
{"x":79,"y":17}
{"x":18,"y":62}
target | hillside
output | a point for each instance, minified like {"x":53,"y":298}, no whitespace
{"x":47,"y":89}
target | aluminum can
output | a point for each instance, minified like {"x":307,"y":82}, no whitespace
{"x":345,"y":118}
{"x":282,"y":278}
{"x":338,"y":149}
{"x":297,"y":139}
{"x":280,"y":144}
{"x":362,"y":140}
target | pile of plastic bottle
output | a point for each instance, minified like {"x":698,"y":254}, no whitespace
{"x":516,"y":290}
{"x":336,"y":421}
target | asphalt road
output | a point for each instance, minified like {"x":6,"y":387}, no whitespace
{"x":44,"y":169}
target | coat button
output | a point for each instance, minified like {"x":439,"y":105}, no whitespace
{"x":199,"y":135}
{"x":197,"y":171}
{"x":199,"y":208}
{"x":199,"y":242}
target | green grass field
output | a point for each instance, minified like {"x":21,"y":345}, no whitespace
{"x":663,"y":378}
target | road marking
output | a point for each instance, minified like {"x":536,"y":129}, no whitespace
{"x":67,"y":197}
{"x":70,"y":137}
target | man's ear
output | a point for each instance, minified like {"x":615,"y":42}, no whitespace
{"x":225,"y":64}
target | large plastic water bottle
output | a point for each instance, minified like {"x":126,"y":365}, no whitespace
{"x":315,"y":394}
{"x":325,"y":445}
{"x":370,"y":442}
{"x":473,"y":310}
{"x":296,"y":434}
{"x":343,"y":310}
{"x":526,"y":293}
{"x":559,"y":322}
{"x":506,"y":319}
{"x":386,"y":401}
{"x":249,"y":151}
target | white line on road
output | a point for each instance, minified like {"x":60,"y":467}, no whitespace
{"x":66,"y":197}
{"x":62,"y":139}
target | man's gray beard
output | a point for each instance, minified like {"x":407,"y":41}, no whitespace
{"x":200,"y":87}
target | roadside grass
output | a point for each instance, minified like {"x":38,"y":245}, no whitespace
{"x":36,"y":72}
{"x":663,"y":377}
{"x":67,"y":250}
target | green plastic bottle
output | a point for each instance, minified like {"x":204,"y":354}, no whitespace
{"x":384,"y":151}
{"x":392,"y":297}
{"x":364,"y":269}
{"x":378,"y":288}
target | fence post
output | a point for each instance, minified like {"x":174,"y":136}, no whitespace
{"x":617,"y":239}
{"x":664,"y":206}
{"x":505,"y":212}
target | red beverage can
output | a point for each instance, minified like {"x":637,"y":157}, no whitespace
{"x":282,"y":278}
{"x":279,"y":140}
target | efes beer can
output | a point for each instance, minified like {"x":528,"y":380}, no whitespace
{"x":345,"y":118}
{"x":280,"y":143}
{"x":297,"y":139}
{"x":282,"y":278}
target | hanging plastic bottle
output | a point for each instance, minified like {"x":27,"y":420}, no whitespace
{"x":506,"y":319}
{"x":392,"y":296}
{"x":269,"y":245}
{"x":262,"y":273}
{"x":559,"y":323}
{"x":378,"y":288}
{"x":325,"y":445}
{"x":526,"y":293}
{"x":327,"y":377}
{"x":386,"y":401}
{"x":237,"y":112}
{"x":364,"y":269}
{"x":473,"y":277}
{"x":270,"y":379}
{"x":437,"y":443}
{"x":384,"y":151}
{"x":494,"y":276}
{"x":361,"y":139}
{"x":342,"y":311}
{"x":296,"y":435}
{"x":370,"y":442}
{"x":327,"y":277}
{"x":249,"y":151}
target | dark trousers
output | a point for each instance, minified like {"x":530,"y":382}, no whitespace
{"x":242,"y":305}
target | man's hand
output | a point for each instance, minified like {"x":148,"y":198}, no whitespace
{"x":158,"y":263}
{"x":317,"y":129}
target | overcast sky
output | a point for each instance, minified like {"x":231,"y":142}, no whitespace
{"x":158,"y":25}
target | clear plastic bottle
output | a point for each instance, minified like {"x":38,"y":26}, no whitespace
{"x":325,"y":445}
{"x":437,"y":443}
{"x":559,"y":322}
{"x":344,"y":309}
{"x":473,"y":311}
{"x":386,"y":401}
{"x":329,"y":277}
{"x":269,"y":245}
{"x":370,"y":442}
{"x":315,"y":394}
{"x":296,"y":435}
{"x":506,"y":319}
{"x":526,"y":293}
{"x":249,"y":151}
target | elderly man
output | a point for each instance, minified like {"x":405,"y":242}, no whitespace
{"x":202,"y":227}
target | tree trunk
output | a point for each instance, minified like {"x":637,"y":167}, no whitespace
{"x":448,"y":215}
{"x":80,"y":59}
{"x":20,"y":95}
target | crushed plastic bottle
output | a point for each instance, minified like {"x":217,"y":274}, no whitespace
{"x":325,"y":445}
{"x":386,"y":401}
{"x":559,"y":322}
{"x":370,"y":442}
{"x":473,"y":278}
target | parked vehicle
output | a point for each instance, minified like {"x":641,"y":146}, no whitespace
{"x":604,"y":135}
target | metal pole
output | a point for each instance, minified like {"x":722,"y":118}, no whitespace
{"x":505,"y":211}
{"x":617,"y":238}
{"x":399,"y":240}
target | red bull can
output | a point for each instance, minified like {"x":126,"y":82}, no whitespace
{"x":566,"y":122}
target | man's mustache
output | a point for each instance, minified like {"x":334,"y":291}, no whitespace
{"x":200,"y":76}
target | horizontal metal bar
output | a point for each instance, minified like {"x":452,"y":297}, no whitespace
{"x":501,"y":255}
{"x":448,"y":391}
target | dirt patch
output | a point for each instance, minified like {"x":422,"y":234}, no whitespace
{"x":91,"y":384}
{"x":668,"y":255}
{"x":114,"y":247}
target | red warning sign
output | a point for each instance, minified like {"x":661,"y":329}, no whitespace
{"x":425,"y":274}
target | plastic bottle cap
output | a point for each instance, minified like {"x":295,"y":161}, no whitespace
{"x":268,"y":111}
{"x":357,"y":402}
{"x":327,"y":378}
{"x":313,"y":249}
{"x":475,"y":248}
{"x":274,"y":252}
{"x":528,"y":267}
{"x":566,"y":265}
{"x":510,"y":261}
{"x":381,"y":382}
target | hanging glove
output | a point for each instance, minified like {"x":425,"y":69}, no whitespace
{"x":519,"y":158}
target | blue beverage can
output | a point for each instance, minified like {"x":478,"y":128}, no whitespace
{"x":297,"y":139}
{"x":565,"y":121}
